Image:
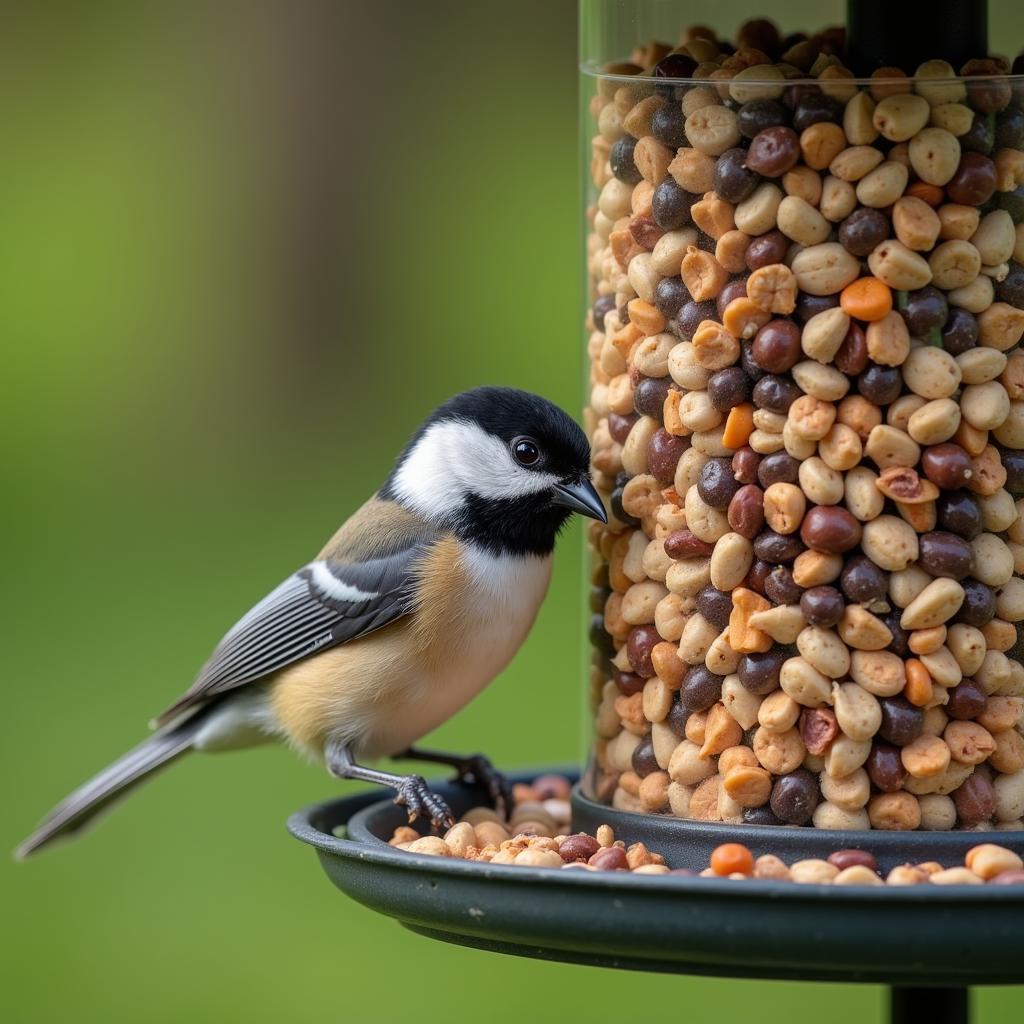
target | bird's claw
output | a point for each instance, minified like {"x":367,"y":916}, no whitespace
{"x":480,"y":770}
{"x":420,"y":801}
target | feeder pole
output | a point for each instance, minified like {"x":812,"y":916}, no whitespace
{"x":905,"y":33}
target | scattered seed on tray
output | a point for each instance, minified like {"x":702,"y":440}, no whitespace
{"x":537,"y":835}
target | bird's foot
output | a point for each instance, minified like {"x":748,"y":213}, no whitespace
{"x":420,"y":801}
{"x":479,"y":769}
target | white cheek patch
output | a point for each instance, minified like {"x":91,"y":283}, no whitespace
{"x":456,"y":458}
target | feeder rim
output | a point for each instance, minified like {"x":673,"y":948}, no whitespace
{"x":301,"y":826}
{"x":593,"y":69}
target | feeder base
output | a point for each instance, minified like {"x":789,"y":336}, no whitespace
{"x":674,"y":924}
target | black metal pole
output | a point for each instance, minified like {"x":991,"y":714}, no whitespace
{"x":934,"y":1005}
{"x":905,"y":33}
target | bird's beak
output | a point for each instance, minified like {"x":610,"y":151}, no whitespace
{"x":581,"y":497}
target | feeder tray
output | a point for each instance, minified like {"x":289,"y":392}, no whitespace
{"x":896,"y":936}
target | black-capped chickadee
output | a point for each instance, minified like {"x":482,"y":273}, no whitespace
{"x":408,"y":612}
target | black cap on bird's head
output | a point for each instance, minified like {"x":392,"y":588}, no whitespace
{"x":502,"y":468}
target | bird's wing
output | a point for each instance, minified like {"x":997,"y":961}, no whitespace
{"x":326,"y":603}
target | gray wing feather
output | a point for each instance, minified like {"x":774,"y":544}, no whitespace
{"x":322,"y":605}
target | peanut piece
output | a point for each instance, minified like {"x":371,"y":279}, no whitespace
{"x":702,"y":274}
{"x":714,"y":347}
{"x":773,"y":288}
{"x":744,"y":637}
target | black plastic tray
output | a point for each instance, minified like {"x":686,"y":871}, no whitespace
{"x":914,"y":936}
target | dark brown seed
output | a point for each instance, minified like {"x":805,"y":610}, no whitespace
{"x":776,"y":394}
{"x":795,"y":796}
{"x":822,"y":606}
{"x":745,"y":463}
{"x":863,"y":230}
{"x":715,"y":606}
{"x":716,"y":484}
{"x":885,"y":767}
{"x":728,"y":388}
{"x":947,"y":465}
{"x":735,"y":289}
{"x":780,"y":587}
{"x":678,"y":716}
{"x":733,"y":179}
{"x":777,"y":548}
{"x":850,"y":858}
{"x":852,"y":356}
{"x":778,"y":468}
{"x":899,"y":646}
{"x":746,"y":511}
{"x":1010,"y":289}
{"x":700,"y":689}
{"x":759,"y":673}
{"x":663,"y":454}
{"x":880,"y":384}
{"x":831,"y":529}
{"x":670,"y":296}
{"x":758,"y":574}
{"x":979,"y":607}
{"x":670,"y":205}
{"x":924,"y":310}
{"x":810,"y":305}
{"x":649,"y":396}
{"x":764,"y":250}
{"x":974,"y":180}
{"x":960,"y":513}
{"x":862,"y":581}
{"x":773,"y":152}
{"x":975,"y":799}
{"x":757,"y":115}
{"x":612,"y":858}
{"x":902,"y":723}
{"x":628,"y":682}
{"x":776,"y":346}
{"x":945,"y":554}
{"x":966,"y":701}
{"x":683,"y":544}
{"x":578,"y":847}
{"x":622,"y":161}
{"x":961,"y":332}
{"x":620,"y":426}
{"x":675,"y":65}
{"x":643,"y":760}
{"x":642,"y":640}
{"x":992,"y":92}
{"x":692,"y":315}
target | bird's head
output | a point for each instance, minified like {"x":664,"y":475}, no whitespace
{"x":502,"y":468}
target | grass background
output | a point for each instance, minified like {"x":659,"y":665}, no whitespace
{"x":244,"y":248}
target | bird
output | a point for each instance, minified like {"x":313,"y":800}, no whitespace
{"x":413,"y":606}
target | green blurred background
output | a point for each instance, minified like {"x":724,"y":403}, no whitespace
{"x":244,"y":248}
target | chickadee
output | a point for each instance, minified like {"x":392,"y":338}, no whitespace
{"x":408,"y":612}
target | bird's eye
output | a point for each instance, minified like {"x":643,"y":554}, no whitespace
{"x":526,"y":451}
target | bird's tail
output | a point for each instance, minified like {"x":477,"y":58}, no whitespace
{"x":117,"y":780}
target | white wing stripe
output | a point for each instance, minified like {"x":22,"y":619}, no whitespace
{"x":337,"y":590}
